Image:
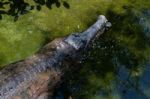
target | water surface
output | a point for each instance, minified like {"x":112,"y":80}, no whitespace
{"x":118,"y":63}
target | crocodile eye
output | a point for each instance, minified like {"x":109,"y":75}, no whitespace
{"x":10,"y":88}
{"x":76,"y":35}
{"x":5,"y":92}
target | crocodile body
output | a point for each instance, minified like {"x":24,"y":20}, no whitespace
{"x":39,"y":73}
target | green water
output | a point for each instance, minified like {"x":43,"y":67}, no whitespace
{"x":118,"y":63}
{"x":24,"y":37}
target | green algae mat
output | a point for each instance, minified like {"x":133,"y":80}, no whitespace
{"x":117,"y":60}
{"x":30,"y":32}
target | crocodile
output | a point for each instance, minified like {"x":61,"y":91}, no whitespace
{"x":38,"y":74}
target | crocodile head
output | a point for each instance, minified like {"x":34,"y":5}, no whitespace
{"x":81,"y":40}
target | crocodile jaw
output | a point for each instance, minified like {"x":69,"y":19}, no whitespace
{"x":80,"y":40}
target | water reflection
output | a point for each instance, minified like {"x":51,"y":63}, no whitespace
{"x":145,"y":23}
{"x":108,"y":71}
{"x":117,"y":65}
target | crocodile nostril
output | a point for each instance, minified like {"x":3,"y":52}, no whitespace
{"x":108,"y":24}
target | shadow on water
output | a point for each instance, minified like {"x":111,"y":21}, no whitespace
{"x":2,"y":59}
{"x":17,"y":8}
{"x":115,"y":65}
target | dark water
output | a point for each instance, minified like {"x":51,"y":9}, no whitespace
{"x":117,"y":65}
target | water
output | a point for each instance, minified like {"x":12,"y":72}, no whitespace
{"x":118,"y":63}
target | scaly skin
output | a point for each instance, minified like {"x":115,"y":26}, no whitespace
{"x":37,"y":75}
